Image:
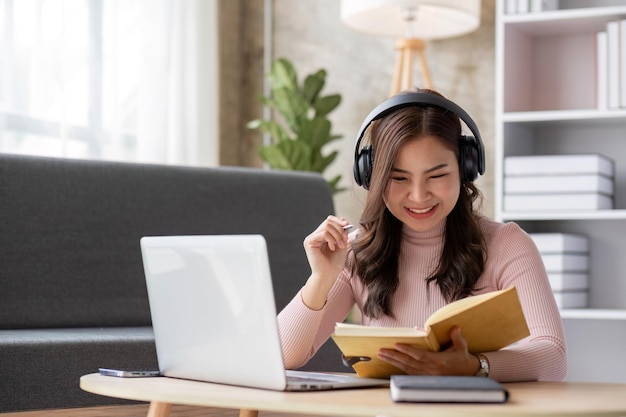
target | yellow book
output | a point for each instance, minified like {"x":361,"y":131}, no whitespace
{"x":488,"y":322}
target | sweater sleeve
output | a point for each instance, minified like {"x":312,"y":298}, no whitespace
{"x":515,"y":260}
{"x":302,"y":330}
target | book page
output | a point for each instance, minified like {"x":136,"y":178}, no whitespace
{"x":459,"y":306}
{"x":352,"y":329}
{"x":362,"y":352}
{"x":488,"y":321}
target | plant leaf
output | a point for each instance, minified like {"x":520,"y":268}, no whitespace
{"x":289,"y":154}
{"x":283,"y":75}
{"x":321,"y":162}
{"x":276,"y":131}
{"x":317,"y":133}
{"x":292,"y":107}
{"x":254,"y":124}
{"x":313,"y":84}
{"x":274,"y":157}
{"x":326,"y":104}
{"x":298,"y":153}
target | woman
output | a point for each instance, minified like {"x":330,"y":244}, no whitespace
{"x":421,"y":245}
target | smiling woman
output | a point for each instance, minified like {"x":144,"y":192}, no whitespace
{"x":424,"y":184}
{"x":422,"y":245}
{"x":116,"y":80}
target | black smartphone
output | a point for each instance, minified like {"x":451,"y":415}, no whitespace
{"x":129,"y":373}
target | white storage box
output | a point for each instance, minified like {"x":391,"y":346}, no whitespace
{"x":565,"y":262}
{"x":571,"y":299}
{"x":554,"y":202}
{"x":568,"y":281}
{"x":560,"y":242}
{"x":546,"y":184}
{"x":559,"y":165}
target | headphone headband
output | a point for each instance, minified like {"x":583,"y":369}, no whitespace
{"x":412,"y":99}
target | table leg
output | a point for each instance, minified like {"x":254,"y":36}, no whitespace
{"x":248,"y":413}
{"x":159,"y":409}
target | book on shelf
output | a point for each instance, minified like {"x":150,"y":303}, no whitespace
{"x":544,"y":184}
{"x":610,"y":65}
{"x":568,"y":281}
{"x":487,"y":321}
{"x":559,"y":165}
{"x":557,"y":202}
{"x":570,"y":299}
{"x":446,"y":389}
{"x":622,"y":63}
{"x":523,"y":6}
{"x":533,"y":6}
{"x":560,"y":242}
{"x":511,"y":6}
{"x":613,"y":61}
{"x":537,"y":6}
{"x":565,"y":262}
{"x":602,"y":72}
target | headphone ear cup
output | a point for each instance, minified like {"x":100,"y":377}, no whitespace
{"x":363,"y":167}
{"x":468,"y":158}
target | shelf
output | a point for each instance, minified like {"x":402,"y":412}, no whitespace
{"x":548,"y":58}
{"x":562,"y":22}
{"x":586,"y":116}
{"x":593,"y":314}
{"x":572,"y":215}
{"x":547,"y":104}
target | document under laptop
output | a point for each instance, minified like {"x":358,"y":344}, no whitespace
{"x":214,"y":317}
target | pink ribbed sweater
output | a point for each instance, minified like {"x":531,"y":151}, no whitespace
{"x":512,"y":259}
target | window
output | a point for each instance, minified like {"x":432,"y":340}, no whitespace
{"x":96,"y":79}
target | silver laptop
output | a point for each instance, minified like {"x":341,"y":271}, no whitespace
{"x":214,"y":317}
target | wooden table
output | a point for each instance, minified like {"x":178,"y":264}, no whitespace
{"x":526,"y":399}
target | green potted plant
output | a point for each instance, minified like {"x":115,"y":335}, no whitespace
{"x":303,"y":130}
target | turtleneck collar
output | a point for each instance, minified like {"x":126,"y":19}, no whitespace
{"x":429,"y":237}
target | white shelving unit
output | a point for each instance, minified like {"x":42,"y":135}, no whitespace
{"x":546,"y":104}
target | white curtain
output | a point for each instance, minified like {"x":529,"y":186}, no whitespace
{"x":129,"y":80}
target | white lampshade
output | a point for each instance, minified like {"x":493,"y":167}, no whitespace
{"x":434,"y":19}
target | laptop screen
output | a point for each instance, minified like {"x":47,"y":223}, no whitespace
{"x":213,"y":310}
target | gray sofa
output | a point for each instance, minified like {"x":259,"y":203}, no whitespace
{"x":72,"y":288}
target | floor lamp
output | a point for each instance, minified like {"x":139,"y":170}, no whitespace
{"x":413,"y":22}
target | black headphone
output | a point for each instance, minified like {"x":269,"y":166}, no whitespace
{"x":471,"y":149}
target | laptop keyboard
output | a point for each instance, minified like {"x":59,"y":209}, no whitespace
{"x":307,"y":379}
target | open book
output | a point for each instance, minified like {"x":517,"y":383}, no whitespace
{"x":488,"y":322}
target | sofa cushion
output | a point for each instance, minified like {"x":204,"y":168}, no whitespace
{"x":70,"y":230}
{"x":41,"y":368}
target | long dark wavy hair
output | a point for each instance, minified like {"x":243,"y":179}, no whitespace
{"x":376,"y":249}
